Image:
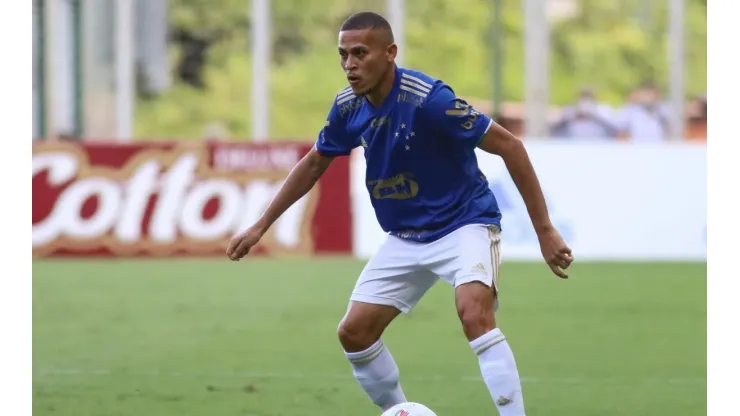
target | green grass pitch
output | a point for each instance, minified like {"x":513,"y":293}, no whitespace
{"x":211,"y":337}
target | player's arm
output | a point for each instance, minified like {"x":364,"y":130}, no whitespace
{"x":299,"y":182}
{"x":469,"y":128}
{"x":499,"y":141}
{"x":332,"y":142}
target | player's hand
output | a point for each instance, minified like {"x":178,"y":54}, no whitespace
{"x":556,"y":253}
{"x":241,"y":243}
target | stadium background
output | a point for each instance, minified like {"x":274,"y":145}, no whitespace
{"x":162,"y":126}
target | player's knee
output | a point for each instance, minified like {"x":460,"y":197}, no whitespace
{"x":363,"y":325}
{"x":475,"y":320}
{"x":356,"y":335}
{"x":475,"y":309}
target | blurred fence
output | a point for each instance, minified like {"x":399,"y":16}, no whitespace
{"x":190,"y":69}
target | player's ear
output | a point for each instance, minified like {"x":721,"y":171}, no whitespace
{"x":391,"y":52}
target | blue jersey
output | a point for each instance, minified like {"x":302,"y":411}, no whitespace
{"x":422,"y":173}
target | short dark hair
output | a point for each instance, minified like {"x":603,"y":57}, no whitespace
{"x":368,"y":20}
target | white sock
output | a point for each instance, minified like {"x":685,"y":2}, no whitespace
{"x":377,"y":373}
{"x":499,"y":371}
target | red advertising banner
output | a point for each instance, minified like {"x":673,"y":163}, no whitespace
{"x":164,"y":198}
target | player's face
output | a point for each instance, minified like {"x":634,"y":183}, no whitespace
{"x":366,"y":58}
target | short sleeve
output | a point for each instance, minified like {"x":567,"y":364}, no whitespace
{"x":455,"y":118}
{"x":333,"y":139}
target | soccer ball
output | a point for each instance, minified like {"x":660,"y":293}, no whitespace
{"x":409,"y":409}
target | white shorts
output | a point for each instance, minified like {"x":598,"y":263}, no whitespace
{"x":402,"y":271}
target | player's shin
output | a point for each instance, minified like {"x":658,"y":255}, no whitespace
{"x":499,"y":372}
{"x":377,"y":373}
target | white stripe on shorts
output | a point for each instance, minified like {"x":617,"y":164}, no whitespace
{"x":495,"y":235}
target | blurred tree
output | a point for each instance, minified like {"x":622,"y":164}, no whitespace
{"x":616,"y":45}
{"x":609,"y":44}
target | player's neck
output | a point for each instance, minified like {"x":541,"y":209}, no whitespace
{"x":379,"y":94}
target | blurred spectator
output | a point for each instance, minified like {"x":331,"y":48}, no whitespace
{"x":586,"y":119}
{"x":696,"y":117}
{"x":646,"y":116}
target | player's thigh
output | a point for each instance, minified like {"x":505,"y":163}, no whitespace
{"x":469,"y":254}
{"x":394,"y":276}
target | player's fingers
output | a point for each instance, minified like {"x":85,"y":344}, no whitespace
{"x":238,"y":253}
{"x":561,"y":274}
{"x":232,"y":247}
{"x":243,"y":249}
{"x":564,"y":260}
{"x":566,"y":254}
{"x":557,"y":259}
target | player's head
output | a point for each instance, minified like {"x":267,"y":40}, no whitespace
{"x":367,"y":51}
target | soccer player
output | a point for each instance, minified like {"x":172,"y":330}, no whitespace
{"x":430,"y":197}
